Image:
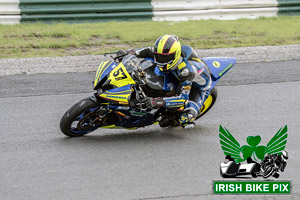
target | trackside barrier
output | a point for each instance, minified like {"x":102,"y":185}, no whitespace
{"x":165,"y":5}
{"x":74,"y":11}
{"x":9,"y":12}
{"x":170,"y":10}
{"x":221,"y":14}
{"x":85,"y":10}
{"x":289,"y":7}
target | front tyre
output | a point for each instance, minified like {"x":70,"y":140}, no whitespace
{"x":80,"y":118}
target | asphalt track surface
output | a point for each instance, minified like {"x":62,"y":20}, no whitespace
{"x":38,"y":162}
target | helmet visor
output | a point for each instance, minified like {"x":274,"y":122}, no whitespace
{"x":164,"y":58}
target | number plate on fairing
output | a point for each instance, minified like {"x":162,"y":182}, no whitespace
{"x":120,"y":77}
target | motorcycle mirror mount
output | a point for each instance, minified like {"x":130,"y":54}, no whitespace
{"x":109,"y":53}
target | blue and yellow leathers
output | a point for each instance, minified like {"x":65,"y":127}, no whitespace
{"x":195,"y":83}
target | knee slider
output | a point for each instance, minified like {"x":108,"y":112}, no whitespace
{"x":188,"y":116}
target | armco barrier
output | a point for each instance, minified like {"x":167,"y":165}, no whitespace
{"x":10,"y":19}
{"x":9,"y":7}
{"x":85,"y":10}
{"x":221,"y":14}
{"x":289,"y":7}
{"x":9,"y":12}
{"x":165,"y":5}
{"x":14,"y":11}
{"x":169,"y":10}
{"x":87,"y":17}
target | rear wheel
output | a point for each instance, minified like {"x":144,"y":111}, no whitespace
{"x":276,"y":175}
{"x":209,"y":102}
{"x":80,"y":119}
{"x":254,"y":172}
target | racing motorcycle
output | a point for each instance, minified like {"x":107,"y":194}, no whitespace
{"x":272,"y":164}
{"x":120,"y":86}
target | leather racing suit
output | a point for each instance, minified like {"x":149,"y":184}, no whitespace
{"x":194,"y":82}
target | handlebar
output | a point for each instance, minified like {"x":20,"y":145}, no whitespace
{"x":114,"y":57}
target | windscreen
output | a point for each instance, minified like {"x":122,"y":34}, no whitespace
{"x":131,"y":63}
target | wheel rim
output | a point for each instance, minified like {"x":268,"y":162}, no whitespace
{"x":84,"y":123}
{"x":207,"y":104}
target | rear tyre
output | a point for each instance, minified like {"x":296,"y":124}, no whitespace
{"x":254,"y":171}
{"x":79,"y":119}
{"x":204,"y":109}
{"x":276,"y":175}
{"x":254,"y":174}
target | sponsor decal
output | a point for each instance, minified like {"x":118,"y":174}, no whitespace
{"x":216,"y":64}
{"x":227,"y":68}
{"x":116,"y":97}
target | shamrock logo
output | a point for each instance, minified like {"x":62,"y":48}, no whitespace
{"x":231,"y":147}
{"x":253,"y":149}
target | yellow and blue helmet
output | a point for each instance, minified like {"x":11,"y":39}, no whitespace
{"x":167,"y":51}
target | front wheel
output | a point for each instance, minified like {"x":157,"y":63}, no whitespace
{"x":80,"y":118}
{"x":269,"y":170}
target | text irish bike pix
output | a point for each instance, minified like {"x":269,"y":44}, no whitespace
{"x":166,"y":84}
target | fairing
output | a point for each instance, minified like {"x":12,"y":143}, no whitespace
{"x":108,"y":74}
{"x":118,"y":95}
{"x":219,"y":66}
{"x":104,"y":68}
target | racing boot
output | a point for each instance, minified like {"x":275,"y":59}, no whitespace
{"x":187,"y":119}
{"x":189,"y":115}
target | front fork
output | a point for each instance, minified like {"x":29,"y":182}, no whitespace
{"x":94,"y":96}
{"x":103,"y":111}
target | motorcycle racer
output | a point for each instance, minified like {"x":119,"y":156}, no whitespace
{"x":183,"y":63}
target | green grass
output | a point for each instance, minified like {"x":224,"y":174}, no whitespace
{"x":39,"y":40}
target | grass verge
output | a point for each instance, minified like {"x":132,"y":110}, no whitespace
{"x":40,"y":40}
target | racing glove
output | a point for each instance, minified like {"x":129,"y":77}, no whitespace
{"x":152,"y":103}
